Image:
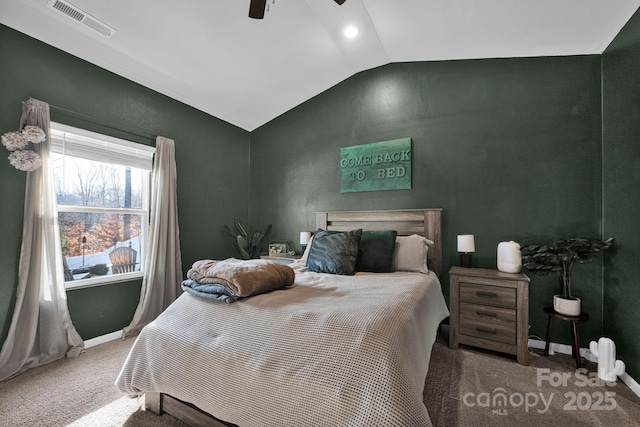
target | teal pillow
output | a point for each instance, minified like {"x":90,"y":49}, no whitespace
{"x":334,"y":253}
{"x":375,"y":252}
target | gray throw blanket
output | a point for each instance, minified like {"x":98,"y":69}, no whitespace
{"x":213,"y":292}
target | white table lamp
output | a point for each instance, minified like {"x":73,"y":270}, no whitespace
{"x":466,"y":247}
{"x":305,"y":236}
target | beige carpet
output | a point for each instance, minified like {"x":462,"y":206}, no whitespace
{"x":459,"y":391}
{"x":76,"y":392}
{"x":462,"y":384}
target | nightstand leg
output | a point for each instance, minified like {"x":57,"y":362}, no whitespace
{"x":546,"y":346}
{"x":576,"y":348}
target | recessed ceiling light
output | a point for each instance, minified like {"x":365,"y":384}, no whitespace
{"x":351,"y":31}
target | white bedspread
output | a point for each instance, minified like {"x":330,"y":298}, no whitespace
{"x":329,"y":351}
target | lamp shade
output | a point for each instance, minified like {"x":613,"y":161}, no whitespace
{"x":466,"y":243}
{"x":305,"y":236}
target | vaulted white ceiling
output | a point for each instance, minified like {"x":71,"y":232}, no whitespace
{"x":210,"y":55}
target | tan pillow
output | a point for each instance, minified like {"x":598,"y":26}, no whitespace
{"x":411,"y":253}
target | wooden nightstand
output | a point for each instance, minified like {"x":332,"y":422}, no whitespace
{"x":489,"y":309}
{"x":283,"y":259}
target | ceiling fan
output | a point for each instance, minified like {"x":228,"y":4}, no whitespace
{"x":257,"y":8}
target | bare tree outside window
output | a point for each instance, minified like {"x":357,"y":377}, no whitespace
{"x":102,"y":186}
{"x":101,"y":189}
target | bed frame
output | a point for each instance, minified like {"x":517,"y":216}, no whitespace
{"x":425,"y":222}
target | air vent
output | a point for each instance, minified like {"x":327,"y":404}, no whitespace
{"x":81,"y":17}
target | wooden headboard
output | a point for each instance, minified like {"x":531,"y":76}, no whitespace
{"x":425,"y":222}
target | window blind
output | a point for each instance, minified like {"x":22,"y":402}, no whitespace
{"x":88,"y":145}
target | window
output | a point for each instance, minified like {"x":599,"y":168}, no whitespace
{"x":102,"y":191}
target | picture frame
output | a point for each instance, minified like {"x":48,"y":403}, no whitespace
{"x":278,"y":247}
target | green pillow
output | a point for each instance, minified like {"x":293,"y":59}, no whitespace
{"x":334,"y":253}
{"x":375,"y":252}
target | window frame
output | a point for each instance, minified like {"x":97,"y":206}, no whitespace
{"x":143,"y":211}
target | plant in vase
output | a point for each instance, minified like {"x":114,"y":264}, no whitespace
{"x":247,"y":243}
{"x":560,"y":257}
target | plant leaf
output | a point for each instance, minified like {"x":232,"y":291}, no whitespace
{"x":229,"y":232}
{"x":241,"y":228}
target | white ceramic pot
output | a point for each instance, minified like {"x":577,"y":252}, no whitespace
{"x":569,"y":307}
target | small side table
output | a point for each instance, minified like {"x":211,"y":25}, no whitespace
{"x":575,"y":347}
{"x":490,"y":310}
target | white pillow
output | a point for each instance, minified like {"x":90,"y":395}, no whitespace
{"x":411,"y":253}
{"x":305,"y":255}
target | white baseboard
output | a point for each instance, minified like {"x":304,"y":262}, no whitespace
{"x":629,"y":381}
{"x":584,"y":352}
{"x":562,"y":348}
{"x":103,"y":339}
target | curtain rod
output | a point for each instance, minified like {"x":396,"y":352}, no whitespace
{"x":107,"y":124}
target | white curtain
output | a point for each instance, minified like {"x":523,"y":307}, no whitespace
{"x":41,"y":330}
{"x":163,"y":264}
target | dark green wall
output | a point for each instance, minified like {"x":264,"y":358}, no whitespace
{"x":509,"y":148}
{"x":211,"y":156}
{"x":621,"y":178}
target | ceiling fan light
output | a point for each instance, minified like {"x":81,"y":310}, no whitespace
{"x":351,"y":31}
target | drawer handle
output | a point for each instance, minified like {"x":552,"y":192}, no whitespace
{"x":486,"y":330}
{"x":486,"y":314}
{"x":485,"y":294}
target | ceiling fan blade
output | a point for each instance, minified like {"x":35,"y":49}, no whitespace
{"x":256,"y":8}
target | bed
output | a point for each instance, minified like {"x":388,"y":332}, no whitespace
{"x":329,"y":350}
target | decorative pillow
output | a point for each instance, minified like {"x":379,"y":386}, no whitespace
{"x":334,"y":253}
{"x":411,"y":253}
{"x":305,"y":255}
{"x":375,"y":253}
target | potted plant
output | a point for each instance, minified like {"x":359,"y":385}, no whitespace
{"x":560,"y":257}
{"x":247,"y":243}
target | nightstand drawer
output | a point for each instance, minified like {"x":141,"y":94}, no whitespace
{"x":487,"y":295}
{"x":488,"y":314}
{"x":489,"y":331}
